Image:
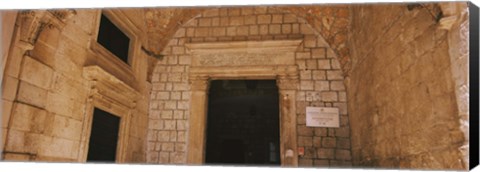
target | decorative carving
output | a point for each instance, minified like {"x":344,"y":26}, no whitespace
{"x":238,"y":59}
{"x":287,"y":82}
{"x":32,"y":23}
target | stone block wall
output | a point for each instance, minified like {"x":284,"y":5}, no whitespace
{"x":401,"y":92}
{"x":321,"y":82}
{"x":45,"y":94}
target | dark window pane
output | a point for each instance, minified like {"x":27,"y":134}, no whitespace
{"x":113,"y":39}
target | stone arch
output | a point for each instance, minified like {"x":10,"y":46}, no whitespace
{"x":319,"y":75}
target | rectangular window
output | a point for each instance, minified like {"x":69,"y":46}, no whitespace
{"x":113,"y":39}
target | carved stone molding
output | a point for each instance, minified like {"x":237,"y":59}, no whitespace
{"x":243,"y":53}
{"x":243,"y":60}
{"x":109,"y":87}
{"x":33,"y":22}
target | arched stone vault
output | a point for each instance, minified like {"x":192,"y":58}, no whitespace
{"x":330,"y":21}
{"x":316,"y":68}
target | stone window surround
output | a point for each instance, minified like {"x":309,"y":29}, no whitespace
{"x":103,"y":95}
{"x":102,"y":57}
{"x":286,"y":76}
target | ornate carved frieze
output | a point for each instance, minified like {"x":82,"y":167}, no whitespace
{"x":243,"y":53}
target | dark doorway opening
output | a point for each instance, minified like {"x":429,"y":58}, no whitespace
{"x":103,"y":138}
{"x":243,"y":123}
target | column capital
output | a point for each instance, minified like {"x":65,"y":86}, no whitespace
{"x":287,"y":82}
{"x":199,"y":82}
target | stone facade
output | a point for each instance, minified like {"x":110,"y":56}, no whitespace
{"x":49,"y":91}
{"x":396,"y":72}
{"x":401,"y":91}
{"x":321,"y":81}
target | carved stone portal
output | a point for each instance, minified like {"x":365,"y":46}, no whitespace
{"x":243,"y":60}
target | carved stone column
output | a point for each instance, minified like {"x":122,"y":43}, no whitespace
{"x":197,"y":119}
{"x":287,"y":85}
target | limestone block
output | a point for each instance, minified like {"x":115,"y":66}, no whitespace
{"x":264,"y":19}
{"x":311,"y":64}
{"x":263,"y":29}
{"x":286,"y":28}
{"x":277,"y":18}
{"x":166,"y":114}
{"x":334,"y":75}
{"x":56,"y":147}
{"x":250,"y":19}
{"x":202,"y":32}
{"x":236,"y":21}
{"x":163,"y":95}
{"x":177,"y":158}
{"x":320,"y":131}
{"x":168,"y":147}
{"x":306,"y":75}
{"x":289,"y":18}
{"x":151,"y":135}
{"x":306,"y":85}
{"x":170,"y":125}
{"x":322,"y":86}
{"x":337,"y":85}
{"x":180,"y":147}
{"x":155,"y":124}
{"x":178,"y":114}
{"x":190,"y":32}
{"x":163,"y":157}
{"x":275,"y":29}
{"x":183,"y":105}
{"x":181,"y":125}
{"x":324,"y":64}
{"x":181,"y":137}
{"x":152,"y":157}
{"x":318,"y":53}
{"x":325,"y":153}
{"x":204,"y":21}
{"x":163,"y":136}
{"x":329,"y":142}
{"x":36,"y":73}
{"x":31,"y":94}
{"x":170,"y":105}
{"x":9,"y":88}
{"x":67,"y":128}
{"x":180,"y":87}
{"x":305,"y":141}
{"x":329,"y":96}
{"x":242,"y":30}
{"x":302,"y":55}
{"x":304,"y":131}
{"x":176,"y":95}
{"x":219,"y":31}
{"x":319,"y":75}
{"x":64,"y":105}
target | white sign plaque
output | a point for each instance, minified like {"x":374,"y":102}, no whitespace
{"x":323,"y":117}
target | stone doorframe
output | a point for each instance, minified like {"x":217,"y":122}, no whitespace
{"x":243,"y":60}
